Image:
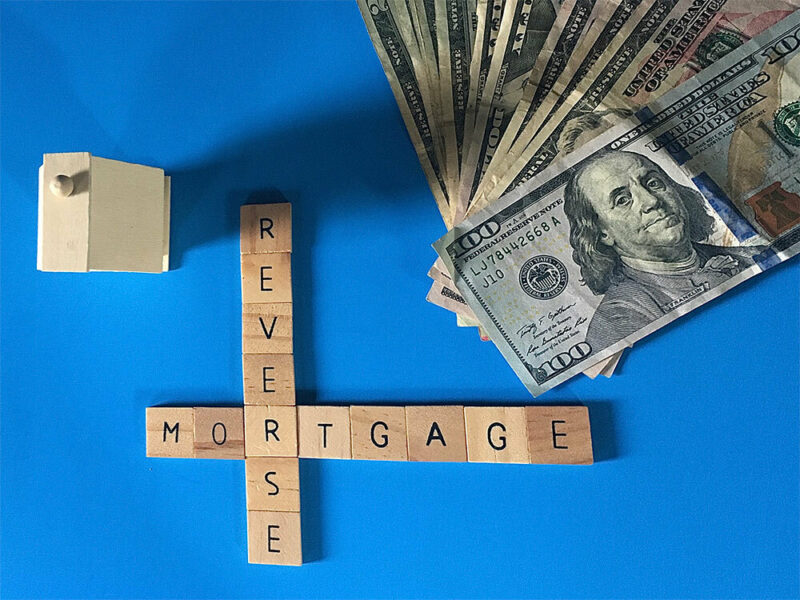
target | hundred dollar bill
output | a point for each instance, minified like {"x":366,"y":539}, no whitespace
{"x":384,"y":27}
{"x":645,"y":49}
{"x":521,"y":38}
{"x":626,"y":234}
{"x":627,"y":46}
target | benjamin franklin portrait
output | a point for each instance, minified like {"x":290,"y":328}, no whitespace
{"x":637,"y":235}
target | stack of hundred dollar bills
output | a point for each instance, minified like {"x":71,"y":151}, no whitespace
{"x":602,"y":166}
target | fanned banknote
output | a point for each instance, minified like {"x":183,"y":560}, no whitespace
{"x":493,"y":92}
{"x":659,"y":215}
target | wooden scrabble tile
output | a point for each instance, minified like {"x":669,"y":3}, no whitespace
{"x":496,"y":434}
{"x":267,"y":328}
{"x":218,"y":432}
{"x":324,"y":431}
{"x":266,"y":228}
{"x":378,"y":432}
{"x":170,"y":432}
{"x":273,"y":484}
{"x":268,"y":379}
{"x":273,"y":538}
{"x":436,"y":433}
{"x":266,"y":278}
{"x":270,"y":431}
{"x":559,"y":435}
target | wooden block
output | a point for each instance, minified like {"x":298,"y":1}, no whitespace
{"x":273,"y":538}
{"x":559,"y":435}
{"x":270,"y":431}
{"x":268,"y":379}
{"x":267,"y":328}
{"x":63,"y":236}
{"x":273,"y":484}
{"x":324,"y":431}
{"x":496,"y":434}
{"x":266,"y":278}
{"x":218,"y":432}
{"x":127,"y":228}
{"x":97,"y":214}
{"x":378,"y":432}
{"x":436,"y":433}
{"x":266,"y":228}
{"x":170,"y":432}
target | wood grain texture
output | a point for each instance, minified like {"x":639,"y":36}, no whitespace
{"x":436,"y":433}
{"x":324,"y":431}
{"x":496,"y":434}
{"x":559,"y":435}
{"x":266,"y":278}
{"x":267,"y":328}
{"x":273,"y":483}
{"x":378,"y":432}
{"x":268,"y":379}
{"x":270,"y":431}
{"x":273,"y":538}
{"x":266,"y":228}
{"x":218,"y":432}
{"x":170,"y":432}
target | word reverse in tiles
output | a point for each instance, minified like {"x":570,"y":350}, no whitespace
{"x":271,"y":434}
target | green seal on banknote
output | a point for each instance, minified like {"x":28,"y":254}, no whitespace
{"x":715,"y":46}
{"x":787,"y":123}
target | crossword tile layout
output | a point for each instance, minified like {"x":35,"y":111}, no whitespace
{"x":554,"y":435}
{"x":270,"y":433}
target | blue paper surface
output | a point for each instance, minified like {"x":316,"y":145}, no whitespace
{"x":695,"y":489}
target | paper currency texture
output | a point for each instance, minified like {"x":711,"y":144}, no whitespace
{"x":646,"y":222}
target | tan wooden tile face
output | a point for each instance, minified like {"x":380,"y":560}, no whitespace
{"x":170,"y":432}
{"x":436,"y":433}
{"x":559,"y":435}
{"x":378,"y":432}
{"x":273,"y":538}
{"x":266,"y":228}
{"x":324,"y":431}
{"x":270,"y":431}
{"x":266,"y":278}
{"x":496,"y":434}
{"x":219,"y":432}
{"x":268,"y":379}
{"x":267,"y":328}
{"x":273,"y":484}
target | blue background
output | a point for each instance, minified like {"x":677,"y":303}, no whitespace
{"x":695,"y":492}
